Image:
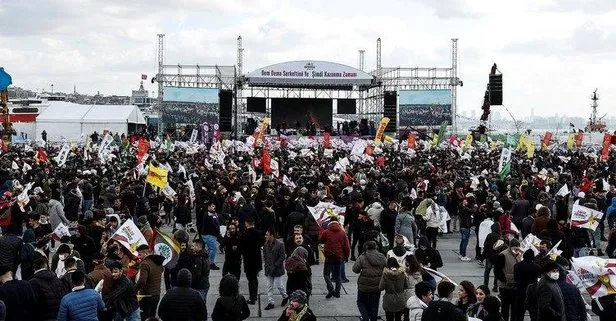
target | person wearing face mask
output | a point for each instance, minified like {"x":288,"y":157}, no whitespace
{"x":549,"y":297}
{"x":428,"y":256}
{"x":504,"y":269}
{"x":525,"y":273}
{"x":233,"y":252}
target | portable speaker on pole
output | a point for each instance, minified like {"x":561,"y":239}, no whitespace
{"x":225,"y":111}
{"x":390,"y":110}
{"x":495,"y":88}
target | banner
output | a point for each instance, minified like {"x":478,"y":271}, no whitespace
{"x":266,"y":162}
{"x":323,"y":212}
{"x":168,"y":191}
{"x":468,"y":142}
{"x":41,"y":156}
{"x":411,"y":142}
{"x":512,"y":140}
{"x":381,"y":130}
{"x":570,"y":141}
{"x":286,"y":181}
{"x":157,"y":176}
{"x":438,"y":276}
{"x":129,"y":236}
{"x":504,"y":158}
{"x":143,"y":146}
{"x":607,"y":141}
{"x":584,"y":217}
{"x":167,"y":247}
{"x":579,"y":138}
{"x":546,"y":140}
{"x":60,"y":231}
{"x":530,"y":151}
{"x":193,"y":136}
{"x":266,"y":121}
{"x":597,"y":275}
{"x":530,"y":242}
{"x":563,"y":191}
{"x":327,"y":143}
{"x":63,"y":155}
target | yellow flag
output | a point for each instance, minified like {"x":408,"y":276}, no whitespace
{"x":468,"y":142}
{"x":381,"y":130}
{"x":388,"y":140}
{"x":157,"y":176}
{"x":435,"y":140}
{"x":522,"y":144}
{"x":570,"y":141}
{"x":530,"y":152}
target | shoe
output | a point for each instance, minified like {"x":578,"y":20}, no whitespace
{"x":214,"y":267}
{"x":269,"y":306}
{"x":252,"y":302}
{"x":337,"y":295}
{"x":329,"y":295}
{"x":465,"y":259}
{"x":284,"y":302}
{"x":345,"y":281}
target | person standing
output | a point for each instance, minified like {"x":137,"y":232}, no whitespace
{"x":575,"y":307}
{"x":405,"y":223}
{"x":550,"y":304}
{"x":233,"y":252}
{"x":504,"y":269}
{"x":299,"y":273}
{"x":48,"y":290}
{"x":182,"y":302}
{"x":210,"y":233}
{"x":200,"y":276}
{"x":525,"y":273}
{"x":81,"y":303}
{"x":369,"y":265}
{"x":251,"y":242}
{"x":336,"y":250}
{"x":121,"y":296}
{"x":443,"y":309}
{"x":230,"y":305}
{"x":273,"y":257}
{"x":393,"y":282}
{"x":467,"y":213}
{"x":434,"y":218}
{"x":150,"y":278}
{"x":298,"y":309}
{"x":419,"y":302}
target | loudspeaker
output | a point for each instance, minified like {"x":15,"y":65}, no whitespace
{"x":495,"y":88}
{"x":225,"y":110}
{"x":390,"y":110}
{"x":255,"y":104}
{"x":347,"y":106}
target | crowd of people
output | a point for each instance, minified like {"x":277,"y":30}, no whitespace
{"x":396,"y":211}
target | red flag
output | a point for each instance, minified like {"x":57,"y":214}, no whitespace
{"x":265,"y":162}
{"x":607,"y":141}
{"x":579,"y":138}
{"x":380,"y":161}
{"x":348,"y":179}
{"x":411,"y":141}
{"x":453,"y":139}
{"x":327,"y":143}
{"x":369,"y":150}
{"x":41,"y":156}
{"x":144,"y":76}
{"x":255,"y":135}
{"x":283,"y":141}
{"x":546,"y":140}
{"x":5,"y":213}
{"x":143,"y":146}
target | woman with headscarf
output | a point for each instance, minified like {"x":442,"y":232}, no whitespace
{"x":298,"y":272}
{"x":298,"y":309}
{"x":230,"y":306}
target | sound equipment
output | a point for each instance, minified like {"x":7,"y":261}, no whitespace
{"x":347,"y":106}
{"x":495,"y":88}
{"x":225,"y":110}
{"x":390,"y":110}
{"x":363,"y":126}
{"x":255,"y":105}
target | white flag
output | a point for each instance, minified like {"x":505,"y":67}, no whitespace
{"x":324,"y":211}
{"x":60,"y":231}
{"x":62,"y":155}
{"x":504,"y":158}
{"x":359,"y":147}
{"x":168,"y":191}
{"x":274,"y":167}
{"x":129,"y":236}
{"x":286,"y":181}
{"x":585,"y":217}
{"x":563,"y":191}
{"x":193,"y":136}
{"x":182,"y":169}
{"x":26,"y":167}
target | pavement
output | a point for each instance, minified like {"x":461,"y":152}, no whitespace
{"x":345,"y":308}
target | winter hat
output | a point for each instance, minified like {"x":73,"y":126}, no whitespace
{"x":184,"y":278}
{"x":88,"y":215}
{"x":299,"y":296}
{"x":496,"y":204}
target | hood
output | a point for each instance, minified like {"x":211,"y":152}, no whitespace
{"x":375,"y":258}
{"x":415,"y":303}
{"x":29,"y":236}
{"x":157,"y":259}
{"x":423,"y":241}
{"x":399,"y":250}
{"x":46,"y":275}
{"x":392,"y":274}
{"x":334,"y":226}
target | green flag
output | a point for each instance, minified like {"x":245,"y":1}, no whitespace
{"x":505,"y":171}
{"x":441,"y":133}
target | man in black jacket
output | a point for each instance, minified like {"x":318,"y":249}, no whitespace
{"x":200,"y":269}
{"x":525,"y":273}
{"x":233,"y":252}
{"x":252,"y":240}
{"x":48,"y":290}
{"x":18,"y":297}
{"x":443,"y":309}
{"x":182,"y":302}
{"x":122,"y":298}
{"x":10,"y":247}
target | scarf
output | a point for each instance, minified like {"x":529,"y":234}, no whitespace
{"x":297,"y":316}
{"x":297,"y":261}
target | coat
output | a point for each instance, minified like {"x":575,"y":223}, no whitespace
{"x":442,"y":310}
{"x":10,"y":249}
{"x":405,"y":225}
{"x":308,"y":316}
{"x":122,"y":296}
{"x":575,"y":308}
{"x":56,"y":214}
{"x":551,"y":306}
{"x":416,"y":308}
{"x":150,"y":275}
{"x":48,"y":292}
{"x":504,"y":269}
{"x":251,"y":241}
{"x":81,"y":305}
{"x":182,"y":303}
{"x":273,"y":257}
{"x":336,"y":242}
{"x":200,"y":271}
{"x":394,"y":282}
{"x":230,"y":308}
{"x":370,"y":266}
{"x":19,"y":300}
{"x":299,"y":280}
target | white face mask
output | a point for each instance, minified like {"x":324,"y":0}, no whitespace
{"x":62,"y":257}
{"x":554,"y":275}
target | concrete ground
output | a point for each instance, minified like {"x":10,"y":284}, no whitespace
{"x":345,"y":308}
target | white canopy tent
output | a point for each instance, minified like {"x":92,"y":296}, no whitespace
{"x":74,"y":122}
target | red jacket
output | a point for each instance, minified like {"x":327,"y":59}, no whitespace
{"x":336,"y":242}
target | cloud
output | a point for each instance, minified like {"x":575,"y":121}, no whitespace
{"x":586,"y":6}
{"x":452,"y":9}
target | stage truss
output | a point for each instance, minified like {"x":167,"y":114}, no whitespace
{"x":369,"y":102}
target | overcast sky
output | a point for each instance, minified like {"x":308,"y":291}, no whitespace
{"x":553,"y":53}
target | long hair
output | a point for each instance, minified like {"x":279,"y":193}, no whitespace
{"x":469,"y":288}
{"x":412,"y":264}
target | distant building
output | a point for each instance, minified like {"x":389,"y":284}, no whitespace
{"x":140,"y":98}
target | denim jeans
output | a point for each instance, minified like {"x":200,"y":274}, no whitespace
{"x":275,"y":282}
{"x":212,"y":246}
{"x":466,"y":235}
{"x":332,"y":270}
{"x":368,"y":305}
{"x":486,"y":273}
{"x":86,"y":205}
{"x":135,"y":316}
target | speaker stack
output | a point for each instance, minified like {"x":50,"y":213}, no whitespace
{"x":495,"y":88}
{"x":225,"y":111}
{"x":390,"y":110}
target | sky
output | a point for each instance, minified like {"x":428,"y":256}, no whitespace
{"x":552,"y":53}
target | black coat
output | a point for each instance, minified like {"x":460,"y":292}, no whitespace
{"x":252,"y":241}
{"x":10,"y":248}
{"x":48,"y":291}
{"x":442,"y":310}
{"x":295,"y":218}
{"x":230,"y":308}
{"x":574,"y":304}
{"x":525,"y":273}
{"x":19,"y":300}
{"x":123,"y":297}
{"x":181,"y":303}
{"x":299,"y":280}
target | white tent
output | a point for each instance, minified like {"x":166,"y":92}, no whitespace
{"x":74,"y":122}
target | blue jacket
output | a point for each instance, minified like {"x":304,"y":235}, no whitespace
{"x":81,"y":305}
{"x":612,"y":209}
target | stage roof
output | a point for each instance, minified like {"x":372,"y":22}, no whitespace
{"x":310,"y":74}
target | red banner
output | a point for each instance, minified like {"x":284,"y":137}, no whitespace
{"x":579,"y":138}
{"x":265,"y":162}
{"x":142,"y":148}
{"x":607,"y":141}
{"x":546,"y":140}
{"x":327,"y":143}
{"x":411,"y":142}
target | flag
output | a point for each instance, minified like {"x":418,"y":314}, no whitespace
{"x":60,"y":231}
{"x":23,"y":199}
{"x":381,"y":130}
{"x":570,"y":141}
{"x":607,"y":141}
{"x":563,"y":191}
{"x":266,"y":162}
{"x":504,"y":158}
{"x":168,"y":191}
{"x":530,"y":242}
{"x":275,"y":168}
{"x":468,"y":142}
{"x":62,"y":155}
{"x":453,"y":139}
{"x":167,"y":247}
{"x":182,"y":169}
{"x":579,"y":139}
{"x":327,"y":143}
{"x":505,"y":171}
{"x":157,"y":176}
{"x":144,"y":76}
{"x":438,"y":276}
{"x":324,"y":211}
{"x":348,"y":178}
{"x":388,"y":140}
{"x":266,"y":121}
{"x":143,"y":146}
{"x":441,"y":133}
{"x":6,"y":214}
{"x":359,"y":146}
{"x":546,"y":140}
{"x":411,"y":142}
{"x":512,"y":140}
{"x":286,"y":181}
{"x":41,"y":156}
{"x":598,"y":275}
{"x":129,"y":236}
{"x":530,"y":151}
{"x":14,"y":166}
{"x":193,"y":136}
{"x":584,"y":217}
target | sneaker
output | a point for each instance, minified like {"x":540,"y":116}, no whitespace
{"x":214,"y":267}
{"x":269,"y":306}
{"x":336,"y":294}
{"x":465,"y":259}
{"x":284,"y":302}
{"x":329,"y":295}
